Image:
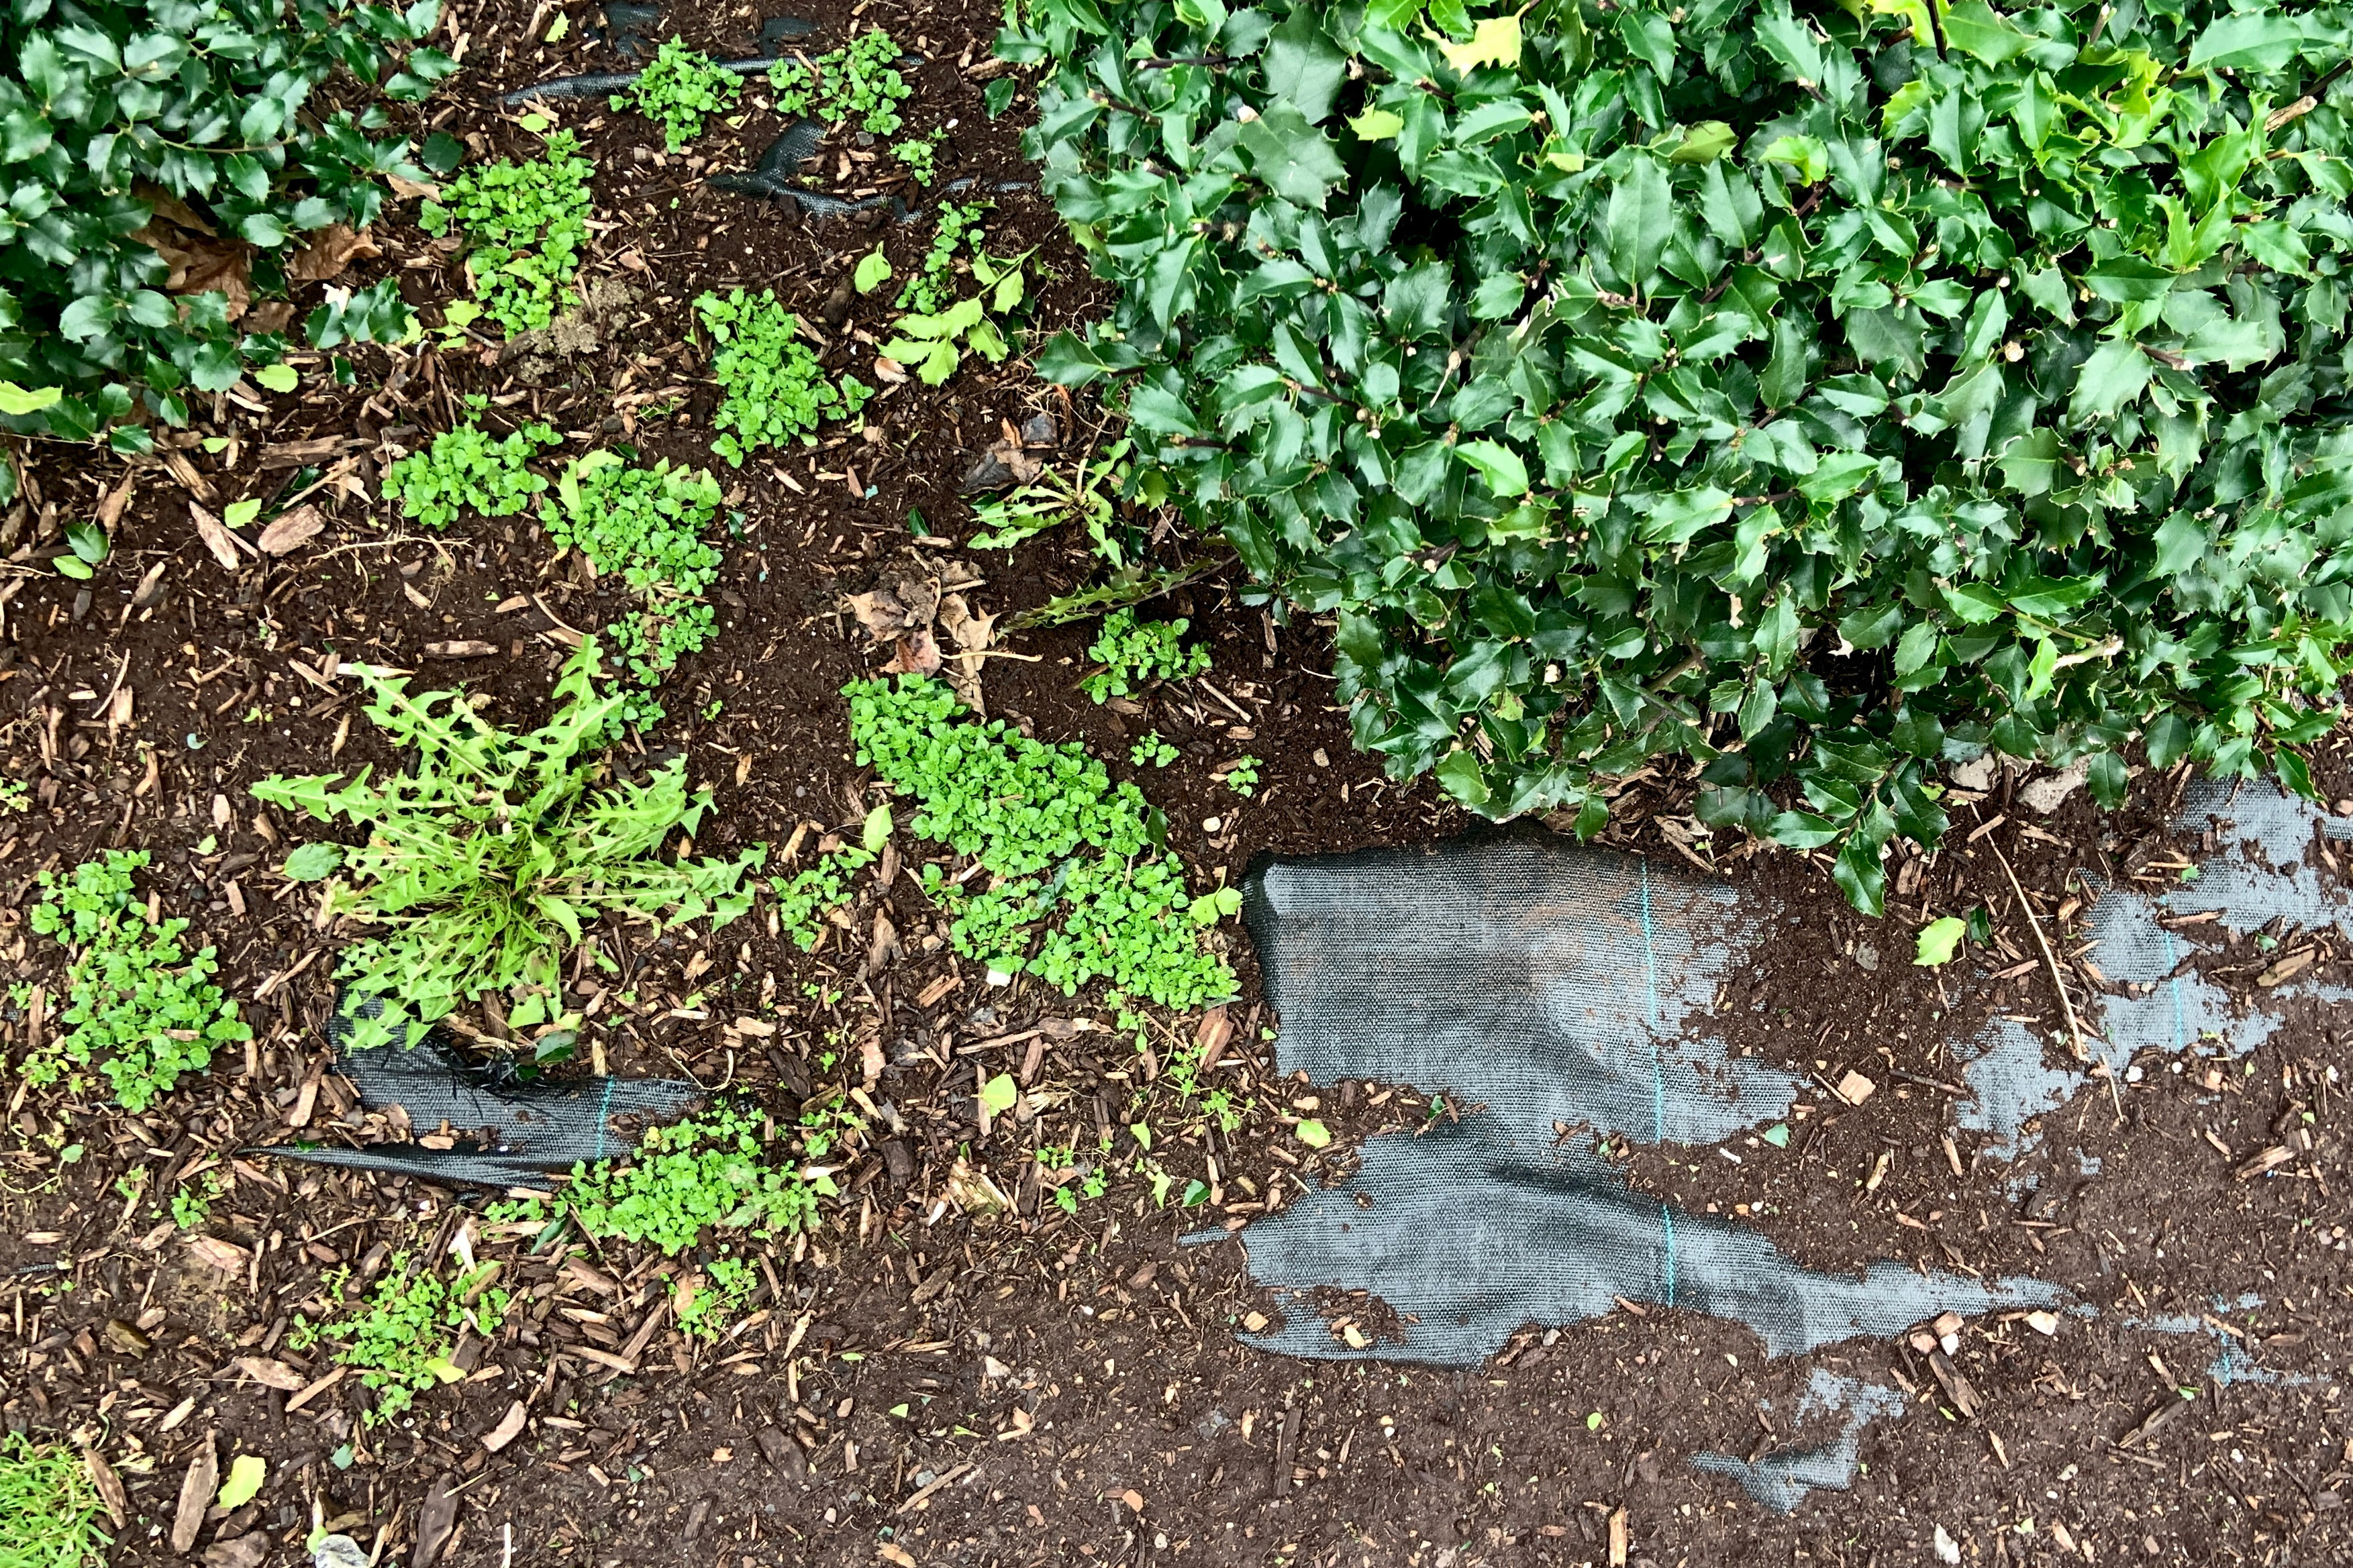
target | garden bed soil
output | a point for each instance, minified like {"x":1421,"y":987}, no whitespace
{"x":922,"y":1386}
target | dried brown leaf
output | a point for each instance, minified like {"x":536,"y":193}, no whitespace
{"x":332,"y":249}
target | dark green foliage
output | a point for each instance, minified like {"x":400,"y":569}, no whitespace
{"x":1081,"y":888}
{"x":486,"y":863}
{"x":526,"y":222}
{"x":1135,"y":652}
{"x":139,"y":1007}
{"x":774,"y":387}
{"x":113,"y":111}
{"x":677,"y":87}
{"x":1815,"y":397}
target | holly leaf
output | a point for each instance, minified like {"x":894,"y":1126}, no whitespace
{"x":1298,"y":163}
{"x":1494,"y":42}
{"x":1938,"y":940}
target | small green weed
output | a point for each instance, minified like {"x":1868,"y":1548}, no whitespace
{"x":1241,"y":775}
{"x":1134,"y":652}
{"x":1088,"y":493}
{"x":139,"y":1007}
{"x":855,"y":82}
{"x":467,"y":469}
{"x":928,"y":344}
{"x":399,"y":1338}
{"x":933,"y":286}
{"x":15,"y":797}
{"x":774,"y":387}
{"x":1151,"y":751}
{"x":804,"y":900}
{"x":49,"y":1510}
{"x":718,"y":1172}
{"x":485,"y":863}
{"x":677,"y":90}
{"x":1077,"y":891}
{"x":191,"y":1208}
{"x":920,"y":155}
{"x":644,"y":526}
{"x":526,"y":222}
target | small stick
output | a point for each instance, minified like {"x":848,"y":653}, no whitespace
{"x":2058,"y":983}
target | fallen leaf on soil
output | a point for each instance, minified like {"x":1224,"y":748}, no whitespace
{"x":433,"y":1521}
{"x":271,"y":1374}
{"x":196,"y":1496}
{"x":971,"y":633}
{"x":216,"y":538}
{"x":330,"y":250}
{"x":903,"y":602}
{"x":226,"y":1257}
{"x":248,"y":1551}
{"x":108,"y":1485}
{"x":411,"y":190}
{"x":291,"y":530}
{"x":127,"y":1338}
{"x":246,"y":1474}
{"x":509,"y":1428}
{"x":1002,"y":463}
{"x":200,"y":260}
{"x":782,"y":1453}
{"x":462,"y":647}
{"x":918,"y":654}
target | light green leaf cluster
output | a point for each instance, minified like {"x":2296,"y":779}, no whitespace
{"x":485,"y":865}
{"x":1134,"y":653}
{"x":467,"y":469}
{"x":398,"y":1335}
{"x":774,"y":388}
{"x":677,"y":90}
{"x":807,"y":896}
{"x":645,"y":527}
{"x":1818,"y":396}
{"x":855,"y":82}
{"x":1081,"y":888}
{"x":526,"y":224}
{"x":139,"y":1007}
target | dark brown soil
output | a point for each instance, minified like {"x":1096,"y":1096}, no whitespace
{"x":918,"y":1386}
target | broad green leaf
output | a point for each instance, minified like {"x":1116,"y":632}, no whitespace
{"x":1494,"y":42}
{"x":1297,"y":160}
{"x":2251,"y":40}
{"x":2112,"y":377}
{"x":1501,"y":466}
{"x":17,"y":402}
{"x":277,"y":377}
{"x":1973,"y":27}
{"x":1704,"y":142}
{"x":1314,"y":1134}
{"x":1377,"y":125}
{"x":997,"y":1096}
{"x":243,"y":1483}
{"x":1938,"y":940}
{"x":873,"y":267}
{"x":877,"y":831}
{"x":1639,"y":218}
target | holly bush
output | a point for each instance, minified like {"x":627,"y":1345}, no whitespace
{"x":1817,"y":398}
{"x":133,"y":128}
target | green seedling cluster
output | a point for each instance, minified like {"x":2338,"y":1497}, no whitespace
{"x":398,"y":1336}
{"x":1058,"y":1165}
{"x":485,"y":865}
{"x":526,"y":224}
{"x":644,"y":526}
{"x":1151,"y":751}
{"x":49,"y":1509}
{"x":468,"y":469}
{"x":139,"y":1008}
{"x":1241,"y":776}
{"x":1081,"y":888}
{"x":677,"y":87}
{"x":804,"y":899}
{"x":774,"y":388}
{"x":933,"y":285}
{"x":920,"y":155}
{"x":1135,"y":652}
{"x":700,"y":1181}
{"x":853,"y":83}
